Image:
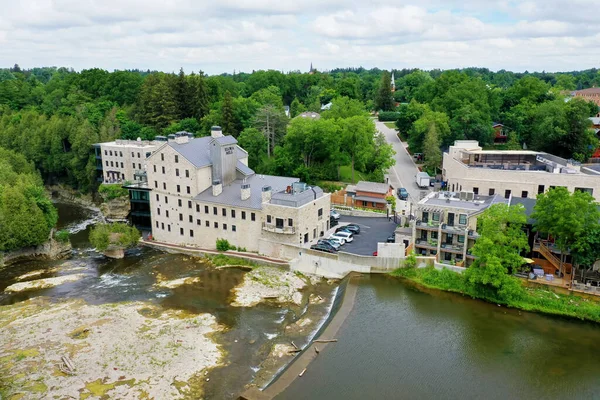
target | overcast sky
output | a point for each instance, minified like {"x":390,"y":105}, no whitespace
{"x":226,"y":35}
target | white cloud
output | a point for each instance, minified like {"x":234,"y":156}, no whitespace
{"x":257,"y":34}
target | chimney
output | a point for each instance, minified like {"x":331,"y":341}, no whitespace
{"x":217,"y":188}
{"x":171,"y":138}
{"x":245,"y":191}
{"x":216,"y":131}
{"x":181,"y":138}
{"x":266,"y":194}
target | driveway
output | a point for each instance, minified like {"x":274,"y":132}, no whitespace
{"x":372,"y":231}
{"x":403,"y":173}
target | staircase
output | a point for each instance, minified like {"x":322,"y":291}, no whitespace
{"x":548,"y":255}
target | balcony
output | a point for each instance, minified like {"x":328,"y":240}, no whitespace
{"x":426,"y":244}
{"x":429,"y":226}
{"x":287,"y":230}
{"x":460,"y":229}
{"x":473,"y":235}
{"x":452,"y":248}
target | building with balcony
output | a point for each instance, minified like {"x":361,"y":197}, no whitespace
{"x":202,"y":190}
{"x":370,"y":195}
{"x":446,"y":225}
{"x":513,"y":173}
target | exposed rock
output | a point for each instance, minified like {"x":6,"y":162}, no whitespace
{"x":43,"y":283}
{"x":269,"y":283}
{"x":114,"y":252}
{"x":115,"y":209}
{"x":50,"y":250}
{"x":176,"y":282}
{"x":35,"y":273}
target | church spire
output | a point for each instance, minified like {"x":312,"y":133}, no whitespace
{"x":393,"y":82}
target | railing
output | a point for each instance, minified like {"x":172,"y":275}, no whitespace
{"x":288,"y":230}
{"x":545,"y":251}
{"x":452,"y":248}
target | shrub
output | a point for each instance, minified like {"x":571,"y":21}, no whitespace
{"x":411,"y":260}
{"x":112,"y":191}
{"x":329,"y":187}
{"x":241,"y":249}
{"x":388,"y":116}
{"x":224,"y":245}
{"x":104,"y":235}
{"x":61,"y":236}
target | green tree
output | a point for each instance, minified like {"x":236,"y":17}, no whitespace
{"x":586,"y":250}
{"x":383,"y":98}
{"x":408,"y":114}
{"x":271,"y":121}
{"x":357,"y":134}
{"x":420,"y":128}
{"x":501,"y":240}
{"x":227,"y":118}
{"x":344,"y":107}
{"x":567,"y":217}
{"x":296,"y":108}
{"x":102,"y":236}
{"x":255,"y":143}
{"x":431,"y":149}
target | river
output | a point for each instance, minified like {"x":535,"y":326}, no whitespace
{"x":248,"y":333}
{"x":402,"y":343}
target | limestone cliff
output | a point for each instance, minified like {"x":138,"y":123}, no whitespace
{"x":115,"y":209}
{"x":50,"y":250}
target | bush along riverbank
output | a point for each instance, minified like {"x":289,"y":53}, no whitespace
{"x":525,"y":298}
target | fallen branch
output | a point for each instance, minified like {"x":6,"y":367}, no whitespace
{"x":302,"y":372}
{"x":294,"y":344}
{"x":67,"y":366}
{"x":316,"y":349}
{"x":325,"y":340}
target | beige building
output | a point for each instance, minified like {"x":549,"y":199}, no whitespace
{"x":124,"y":160}
{"x":513,"y":173}
{"x":202,"y":189}
{"x":446,"y":225}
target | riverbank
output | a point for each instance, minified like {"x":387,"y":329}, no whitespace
{"x":533,"y":299}
{"x":50,"y":250}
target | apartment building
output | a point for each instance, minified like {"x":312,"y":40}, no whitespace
{"x":202,"y":189}
{"x":513,"y":173}
{"x":445,"y":225}
{"x":124,"y":160}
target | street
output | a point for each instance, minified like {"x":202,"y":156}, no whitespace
{"x":403,"y":173}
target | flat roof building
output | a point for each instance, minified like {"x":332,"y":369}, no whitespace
{"x":513,"y":173}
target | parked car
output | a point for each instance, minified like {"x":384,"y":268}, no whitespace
{"x":402,"y":194}
{"x":352,"y":228}
{"x":392,"y":238}
{"x":320,"y":247}
{"x":327,"y":242}
{"x":347,"y":236}
{"x":337,"y":239}
{"x":375,"y":253}
{"x":336,"y":215}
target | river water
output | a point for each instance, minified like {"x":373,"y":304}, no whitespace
{"x":401,"y":343}
{"x":249,"y":334}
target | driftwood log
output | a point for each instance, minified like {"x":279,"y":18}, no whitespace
{"x":325,"y":340}
{"x":302,"y":372}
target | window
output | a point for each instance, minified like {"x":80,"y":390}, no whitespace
{"x":365,"y":203}
{"x":139,"y":155}
{"x":290,"y":222}
{"x":120,"y":154}
{"x":191,"y":219}
{"x":154,"y":168}
{"x":167,"y":212}
{"x":188,"y":190}
{"x":156,"y":184}
{"x":122,"y":165}
{"x":435,"y":217}
{"x":215,"y":211}
{"x":279,"y":223}
{"x":492,"y":192}
{"x":585,"y":190}
{"x":158,"y":211}
{"x":191,"y":233}
{"x":180,"y":216}
{"x":268,"y":219}
{"x":507,"y":193}
{"x":169,"y":228}
{"x":207,"y":223}
{"x":164,"y":185}
{"x":462,"y":219}
{"x":179,"y":202}
{"x":461,"y":238}
{"x":253,"y":217}
{"x":206,"y":209}
{"x":107,"y":163}
{"x":133,"y":165}
{"x":197,"y":207}
{"x":224,"y":212}
{"x":233,"y":229}
{"x":314,"y":233}
{"x":434,"y":235}
{"x":162,"y":226}
{"x":216,"y":225}
{"x":148,"y":154}
{"x":178,"y":189}
{"x":476,"y":190}
{"x":111,"y":164}
{"x":156,"y":224}
{"x":373,"y":204}
{"x":189,"y":204}
{"x":524,"y":194}
{"x":157,"y":197}
{"x":181,"y":231}
{"x":163,"y":170}
{"x":176,"y":158}
{"x":162,"y":156}
{"x":111,"y":152}
{"x":176,"y":171}
{"x":105,"y":152}
{"x":243,"y":214}
{"x":224,"y":227}
{"x":132,"y":154}
{"x":166,"y":200}
{"x":425,"y":216}
{"x":424,"y":235}
{"x":541,"y":189}
{"x":320,"y":213}
{"x":198,"y":222}
{"x":139,"y":166}
{"x":187,"y":173}
{"x":232,"y":213}
{"x":123,"y":176}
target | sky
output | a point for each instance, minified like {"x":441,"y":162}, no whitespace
{"x":244,"y":35}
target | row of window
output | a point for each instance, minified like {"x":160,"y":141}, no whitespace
{"x":162,"y":158}
{"x":215,"y":211}
{"x":188,"y":189}
{"x":435,"y":217}
{"x":116,"y":164}
{"x":525,"y":193}
{"x":279,"y":221}
{"x":207,"y":224}
{"x":110,"y":152}
{"x":187,"y":171}
{"x":449,"y":237}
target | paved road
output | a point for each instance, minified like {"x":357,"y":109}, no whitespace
{"x":373,"y":230}
{"x":403,"y":173}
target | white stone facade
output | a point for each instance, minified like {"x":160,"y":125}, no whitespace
{"x":121,"y":159}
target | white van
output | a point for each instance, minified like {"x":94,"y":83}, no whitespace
{"x":347,"y":236}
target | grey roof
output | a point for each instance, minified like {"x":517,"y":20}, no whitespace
{"x":439,"y":199}
{"x":197,"y":151}
{"x":595,"y":120}
{"x":371,"y":199}
{"x":373,"y":187}
{"x":231,"y":195}
{"x":283,"y":198}
{"x":527,"y":203}
{"x":224,"y":140}
{"x":243,"y":168}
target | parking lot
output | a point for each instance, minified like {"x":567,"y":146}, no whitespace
{"x":372,"y":231}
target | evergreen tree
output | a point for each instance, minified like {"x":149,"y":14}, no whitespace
{"x":227,"y":117}
{"x":431,"y":149}
{"x":199,"y":96}
{"x":184,"y":102}
{"x":296,"y":108}
{"x":383,"y":99}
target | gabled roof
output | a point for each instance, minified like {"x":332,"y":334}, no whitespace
{"x":372,"y":187}
{"x":197,"y":151}
{"x":244,"y":169}
{"x":593,"y":90}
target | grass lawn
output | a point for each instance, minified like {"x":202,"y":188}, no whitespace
{"x":391,"y":125}
{"x":346,"y":175}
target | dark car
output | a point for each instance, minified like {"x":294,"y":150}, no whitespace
{"x":329,"y":243}
{"x":402,"y":194}
{"x":392,"y":238}
{"x":320,"y":247}
{"x":354,"y":229}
